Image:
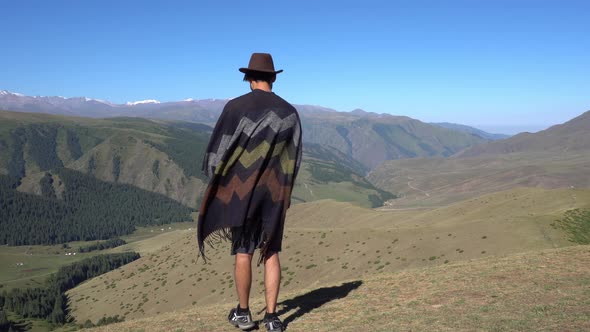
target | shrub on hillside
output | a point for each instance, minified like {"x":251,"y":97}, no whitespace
{"x":577,"y":224}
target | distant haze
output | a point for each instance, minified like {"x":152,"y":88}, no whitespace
{"x":512,"y":129}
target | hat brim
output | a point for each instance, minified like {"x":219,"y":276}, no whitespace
{"x":247,"y":70}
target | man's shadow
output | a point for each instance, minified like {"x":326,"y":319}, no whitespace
{"x":305,"y":303}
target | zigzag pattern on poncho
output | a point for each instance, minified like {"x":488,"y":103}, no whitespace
{"x":252,"y":163}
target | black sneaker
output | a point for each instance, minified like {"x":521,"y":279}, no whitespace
{"x":273,"y":324}
{"x":244,"y":322}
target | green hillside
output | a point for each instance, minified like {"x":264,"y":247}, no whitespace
{"x":155,"y":155}
{"x":374,"y":139}
{"x":47,"y":303}
{"x":88,"y":209}
{"x":328,"y":173}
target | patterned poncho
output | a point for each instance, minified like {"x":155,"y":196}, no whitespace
{"x":253,"y":157}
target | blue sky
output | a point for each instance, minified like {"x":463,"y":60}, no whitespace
{"x":503,"y":66}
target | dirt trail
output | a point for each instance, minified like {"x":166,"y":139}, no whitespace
{"x":307,"y":187}
{"x":417,"y":189}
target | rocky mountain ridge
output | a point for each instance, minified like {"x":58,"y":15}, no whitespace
{"x":368,"y":137}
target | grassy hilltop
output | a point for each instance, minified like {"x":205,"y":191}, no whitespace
{"x":328,"y":242}
{"x":547,"y":290}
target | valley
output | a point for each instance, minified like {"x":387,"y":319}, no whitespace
{"x":29,"y":266}
{"x":437,"y":181}
{"x":358,"y":218}
{"x":557,"y":157}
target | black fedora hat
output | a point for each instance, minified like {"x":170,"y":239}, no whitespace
{"x":261,"y":62}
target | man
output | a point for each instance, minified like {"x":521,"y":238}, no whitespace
{"x":253,"y":157}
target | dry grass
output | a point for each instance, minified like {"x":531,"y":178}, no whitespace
{"x":546,"y":290}
{"x":326,"y":243}
{"x":438,"y":181}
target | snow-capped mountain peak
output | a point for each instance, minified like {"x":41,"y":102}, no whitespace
{"x":148,"y":101}
{"x":6,"y":92}
{"x":86,"y":99}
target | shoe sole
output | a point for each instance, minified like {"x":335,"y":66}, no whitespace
{"x":244,"y":327}
{"x":247,"y":327}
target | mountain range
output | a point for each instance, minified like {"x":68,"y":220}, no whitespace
{"x":570,"y":136}
{"x":470,"y":130}
{"x":368,"y":137}
{"x":400,"y":155}
{"x":558,"y":157}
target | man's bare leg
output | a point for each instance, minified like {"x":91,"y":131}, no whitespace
{"x":243,"y":277}
{"x":272,"y":281}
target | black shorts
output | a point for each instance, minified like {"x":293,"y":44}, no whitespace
{"x":248,"y":242}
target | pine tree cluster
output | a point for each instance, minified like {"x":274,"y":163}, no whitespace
{"x":50,"y":302}
{"x":89,"y":209}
